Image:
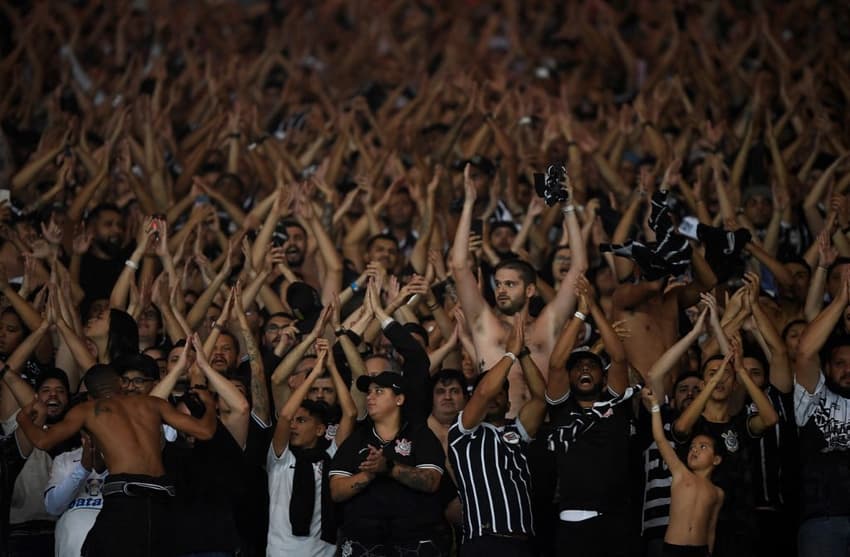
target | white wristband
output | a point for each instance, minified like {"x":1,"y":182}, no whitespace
{"x":580,"y":315}
{"x":386,"y":322}
{"x":569,"y":209}
{"x":655,"y":409}
{"x":510,"y":355}
{"x":132,"y":264}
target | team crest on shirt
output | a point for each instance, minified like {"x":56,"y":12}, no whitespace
{"x":330,"y":431}
{"x":403,"y":446}
{"x":730,"y":438}
{"x":511,"y":437}
{"x":93,"y":486}
{"x":346,"y":549}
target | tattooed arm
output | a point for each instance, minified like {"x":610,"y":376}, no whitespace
{"x":344,"y":488}
{"x":420,"y":479}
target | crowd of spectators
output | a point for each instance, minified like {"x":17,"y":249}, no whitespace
{"x":376,"y":278}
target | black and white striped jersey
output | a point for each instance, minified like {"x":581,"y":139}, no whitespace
{"x":493,"y":479}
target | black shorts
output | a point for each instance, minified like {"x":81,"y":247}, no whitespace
{"x":137,"y":525}
{"x":671,"y":550}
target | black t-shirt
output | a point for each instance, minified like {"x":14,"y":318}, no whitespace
{"x":209,"y":478}
{"x":98,"y":276}
{"x":593,"y":474}
{"x":387,"y":511}
{"x":775,"y":471}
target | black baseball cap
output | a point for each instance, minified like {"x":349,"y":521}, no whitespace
{"x":584,"y":353}
{"x":386,"y":379}
{"x":305,"y":304}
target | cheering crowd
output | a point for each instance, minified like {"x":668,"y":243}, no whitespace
{"x":383,"y":278}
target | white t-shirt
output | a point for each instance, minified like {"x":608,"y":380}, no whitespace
{"x":27,"y":502}
{"x":281,"y":542}
{"x":84,"y":500}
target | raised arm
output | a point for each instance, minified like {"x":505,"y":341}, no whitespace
{"x":685,"y":422}
{"x":815,"y":335}
{"x":346,"y":404}
{"x":669,"y":360}
{"x":259,"y":391}
{"x":827,"y":254}
{"x":554,"y":315}
{"x":202,"y":428}
{"x":618,"y":374}
{"x":781,"y":375}
{"x":559,"y":379}
{"x":664,"y":447}
{"x":280,"y":439}
{"x":118,"y":297}
{"x":237,"y":412}
{"x":165,"y":386}
{"x":280,"y":376}
{"x":199,"y":310}
{"x":468,"y":294}
{"x":767,"y":416}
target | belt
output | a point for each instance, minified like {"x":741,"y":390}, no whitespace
{"x":134,"y":489}
{"x":578,"y":516}
{"x":508,"y":535}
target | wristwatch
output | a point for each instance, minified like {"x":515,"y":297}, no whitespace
{"x":523,"y":353}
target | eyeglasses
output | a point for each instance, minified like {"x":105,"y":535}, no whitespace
{"x":136,"y":381}
{"x":275,"y":328}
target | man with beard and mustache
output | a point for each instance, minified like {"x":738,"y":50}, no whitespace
{"x":514,"y":285}
{"x":27,"y":469}
{"x":822,"y":412}
{"x":103,"y":262}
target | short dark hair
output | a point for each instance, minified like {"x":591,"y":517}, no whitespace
{"x":53,"y":373}
{"x":227,"y":333}
{"x":377,"y":237}
{"x":290,"y":223}
{"x":101,"y":379}
{"x":525,"y":270}
{"x":102,"y":208}
{"x":502,"y":224}
{"x":791,"y":324}
{"x":718,"y":444}
{"x":709,"y":360}
{"x":834,"y":343}
{"x":142,"y":363}
{"x":686,"y":375}
{"x":226,"y":177}
{"x":447,"y":376}
{"x":316,"y":408}
{"x":801,"y":262}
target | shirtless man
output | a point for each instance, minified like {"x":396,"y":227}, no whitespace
{"x":514,"y":286}
{"x":128,"y":431}
{"x":650,"y":310}
{"x":695,"y":501}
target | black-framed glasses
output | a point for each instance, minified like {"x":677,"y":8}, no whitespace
{"x":135,"y":381}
